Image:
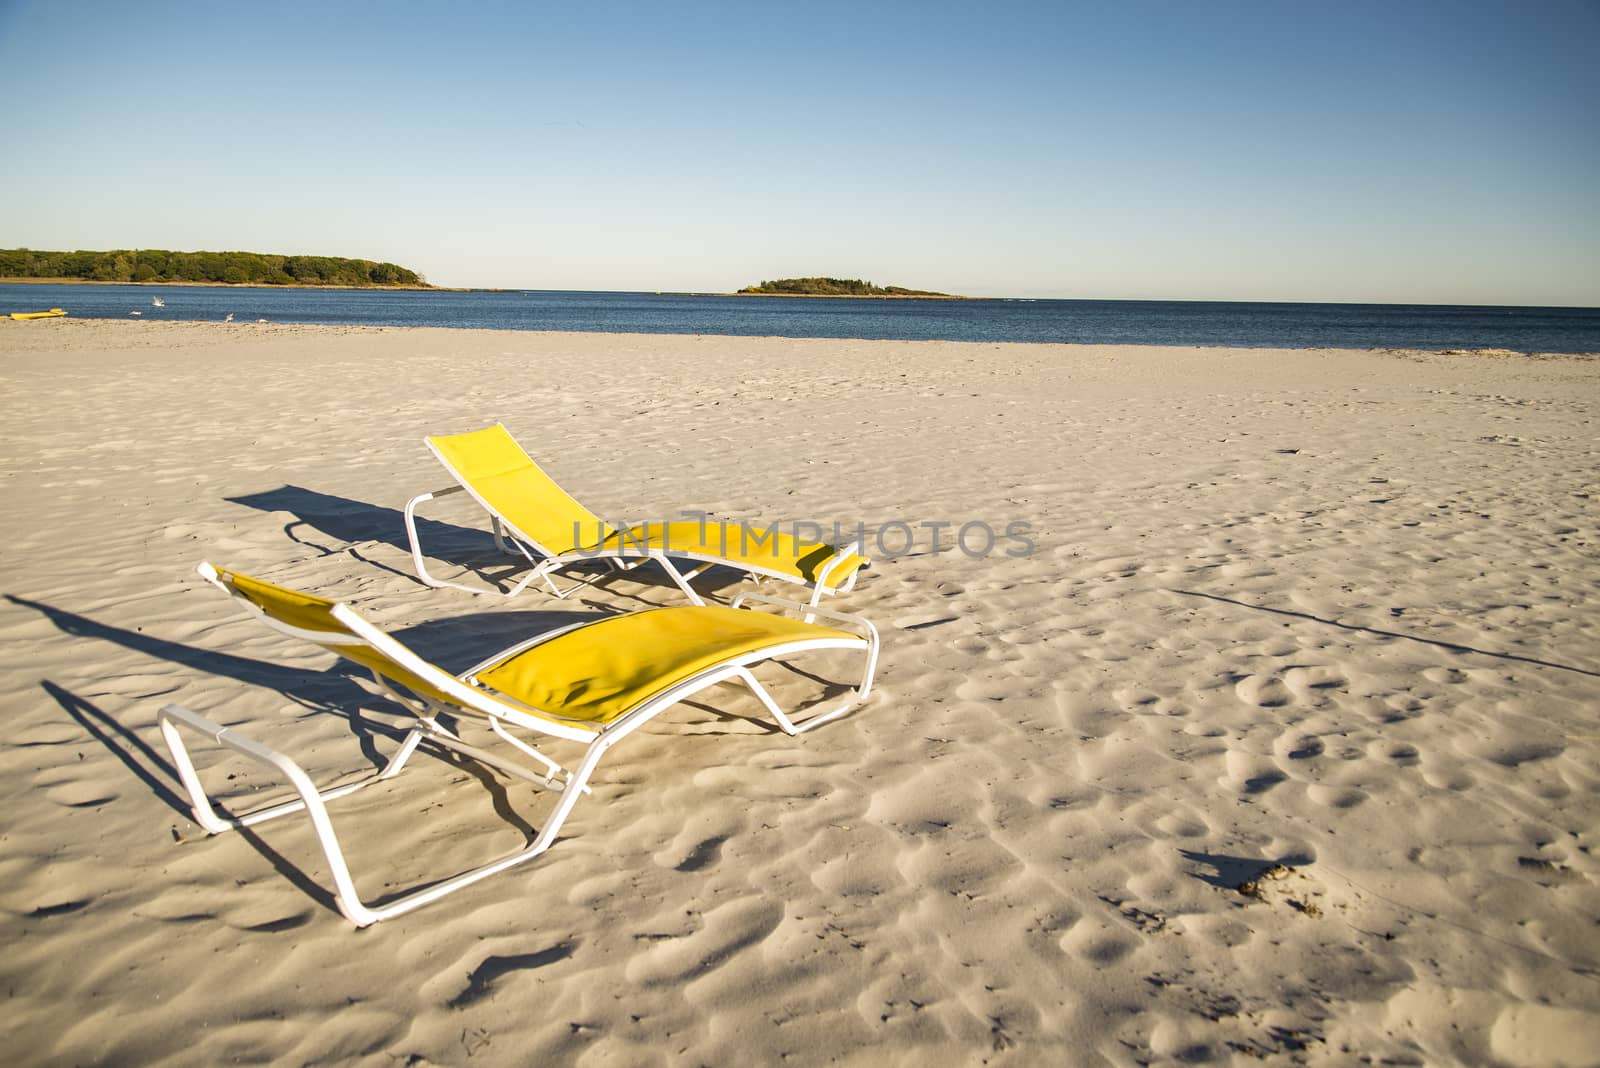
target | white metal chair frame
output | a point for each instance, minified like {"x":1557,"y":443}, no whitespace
{"x":551,"y":561}
{"x":500,"y":712}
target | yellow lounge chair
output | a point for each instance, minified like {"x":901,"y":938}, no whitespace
{"x":552,"y":531}
{"x":593,"y":683}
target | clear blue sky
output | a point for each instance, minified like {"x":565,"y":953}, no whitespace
{"x":1407,"y":152}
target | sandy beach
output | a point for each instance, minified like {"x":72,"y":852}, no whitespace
{"x":1280,"y":743}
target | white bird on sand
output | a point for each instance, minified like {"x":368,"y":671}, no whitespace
{"x":228,"y":318}
{"x":158,"y":302}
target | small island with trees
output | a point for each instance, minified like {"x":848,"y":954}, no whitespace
{"x":836,"y":287}
{"x":205,"y":268}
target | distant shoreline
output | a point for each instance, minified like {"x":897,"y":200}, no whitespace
{"x":829,"y":286}
{"x":243,"y":285}
{"x":472,"y":289}
{"x":860,"y":296}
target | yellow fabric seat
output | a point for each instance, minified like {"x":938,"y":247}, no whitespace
{"x":596,"y":673}
{"x":307,"y":612}
{"x":736,"y":545}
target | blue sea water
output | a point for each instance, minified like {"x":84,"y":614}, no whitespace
{"x":1123,"y":322}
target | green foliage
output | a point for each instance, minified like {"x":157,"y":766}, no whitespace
{"x":233,"y":268}
{"x":834,"y":287}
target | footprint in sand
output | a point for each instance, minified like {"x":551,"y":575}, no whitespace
{"x":1447,"y":777}
{"x":1401,"y":707}
{"x":1179,"y":826}
{"x":1308,"y":680}
{"x":1514,"y":756}
{"x":1262,"y":691}
{"x":1250,"y":774}
{"x":1336,"y":796}
{"x":702,"y":856}
{"x":1402,"y":754}
{"x":1305,"y":748}
{"x":1096,"y":944}
{"x":1266,"y":780}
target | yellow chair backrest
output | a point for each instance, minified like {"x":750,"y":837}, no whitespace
{"x":305,"y":612}
{"x":494,"y":469}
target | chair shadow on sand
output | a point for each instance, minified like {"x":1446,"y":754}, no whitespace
{"x":334,"y":691}
{"x":344,"y":520}
{"x":454,"y":644}
{"x":352,"y":522}
{"x":156,"y":772}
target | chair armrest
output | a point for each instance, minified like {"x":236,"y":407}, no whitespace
{"x":840,"y":554}
{"x":846,"y":620}
{"x":423,"y":497}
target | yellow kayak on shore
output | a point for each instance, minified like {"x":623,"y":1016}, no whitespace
{"x":53,"y":313}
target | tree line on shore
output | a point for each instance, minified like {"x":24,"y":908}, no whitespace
{"x":235,"y":268}
{"x":834,"y":287}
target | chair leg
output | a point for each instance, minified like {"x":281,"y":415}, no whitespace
{"x":788,"y":725}
{"x":312,"y":802}
{"x":439,"y":583}
{"x":499,"y":536}
{"x":845,"y":620}
{"x":682,"y":582}
{"x":545,"y":571}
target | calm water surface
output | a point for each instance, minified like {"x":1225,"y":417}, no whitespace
{"x":1122,"y":322}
